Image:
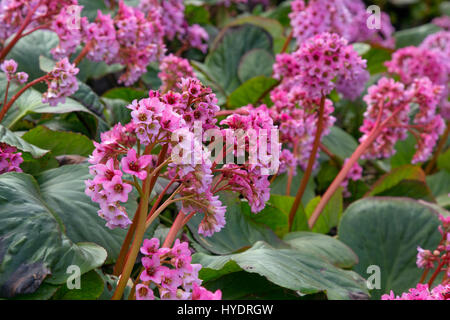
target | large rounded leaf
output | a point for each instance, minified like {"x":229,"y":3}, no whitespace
{"x":33,"y":243}
{"x":239,"y":233}
{"x":223,"y":61}
{"x":385,"y":232}
{"x":63,"y":190}
{"x":292,"y":269}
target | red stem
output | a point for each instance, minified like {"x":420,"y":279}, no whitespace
{"x":311,"y":161}
{"x":435,"y":274}
{"x":18,"y":35}
{"x":177,"y":225}
{"x":378,"y":128}
{"x":18,"y":94}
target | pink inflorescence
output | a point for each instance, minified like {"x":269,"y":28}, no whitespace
{"x":391,"y":101}
{"x":172,"y":69}
{"x":9,"y":67}
{"x":43,"y":12}
{"x":422,"y":292}
{"x":108,"y":188}
{"x":320,"y":60}
{"x":63,"y":83}
{"x":348,"y":18}
{"x":10,"y":159}
{"x":169,"y":271}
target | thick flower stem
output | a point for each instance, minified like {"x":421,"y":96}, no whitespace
{"x":18,"y":94}
{"x":118,"y":267}
{"x":148,"y":185}
{"x":342,"y":175}
{"x":83,"y":53}
{"x":376,"y":131}
{"x":177,"y":225}
{"x":311,"y":161}
{"x":436,"y":273}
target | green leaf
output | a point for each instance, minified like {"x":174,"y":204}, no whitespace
{"x":404,"y":152}
{"x":331,"y":214}
{"x":250,"y":92}
{"x":63,"y":190}
{"x":256,"y":62}
{"x":126,"y":94}
{"x":91,"y":287}
{"x":31,"y":102}
{"x":289,"y":268}
{"x":340,"y":143}
{"x":272,"y":26}
{"x":376,"y":58}
{"x":28,"y":50}
{"x":27,"y":258}
{"x":276,"y":215}
{"x":444,"y":161}
{"x":414,"y":36}
{"x":405,"y":181}
{"x":325,"y":247}
{"x":256,"y":288}
{"x":439,"y":184}
{"x":223,"y":60}
{"x":117,"y":111}
{"x":279,"y":186}
{"x":385,"y":232}
{"x":239,"y":233}
{"x":60,"y":143}
{"x":88,"y":98}
{"x":12,"y":139}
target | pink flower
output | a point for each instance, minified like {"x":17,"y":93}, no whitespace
{"x":63,"y":83}
{"x":153,"y":269}
{"x":200,"y":293}
{"x":9,"y":67}
{"x":135,"y":166}
{"x":117,"y":190}
{"x":150,"y":246}
{"x":143,"y":292}
{"x":10,"y":159}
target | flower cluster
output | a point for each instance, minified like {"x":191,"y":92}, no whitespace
{"x":9,"y":67}
{"x":67,"y":27}
{"x":63,"y":83}
{"x":297,"y":121}
{"x":171,"y":273}
{"x":174,"y":24}
{"x":320,"y":60}
{"x":108,"y":188}
{"x":389,"y":103}
{"x":348,"y":18}
{"x":13,"y":14}
{"x":422,"y":292}
{"x":10,"y":159}
{"x":173,"y":120}
{"x":426,"y":259}
{"x":172,"y":69}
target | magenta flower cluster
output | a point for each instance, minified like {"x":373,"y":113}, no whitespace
{"x":9,"y":67}
{"x":10,"y":159}
{"x":348,"y":18}
{"x":171,"y":273}
{"x":320,"y":60}
{"x":391,"y":101}
{"x":171,"y":120}
{"x":62,"y":82}
{"x":422,"y":292}
{"x":173,"y":68}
